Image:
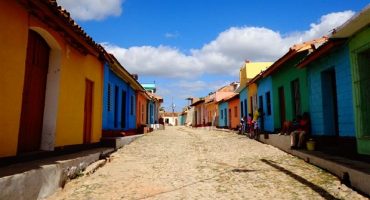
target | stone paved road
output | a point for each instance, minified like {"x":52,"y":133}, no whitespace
{"x":185,"y":163}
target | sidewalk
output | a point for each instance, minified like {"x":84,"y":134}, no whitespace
{"x":40,"y":178}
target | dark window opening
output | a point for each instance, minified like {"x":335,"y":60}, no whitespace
{"x":116,"y":106}
{"x":123,"y":110}
{"x":296,"y":98}
{"x":109,"y":99}
{"x":132,"y":105}
{"x":268,"y":103}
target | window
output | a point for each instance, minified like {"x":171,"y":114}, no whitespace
{"x":260,"y":103}
{"x":268,"y":103}
{"x":245,"y":108}
{"x":241,"y":110}
{"x":251,"y":102}
{"x":116,"y":106}
{"x":222,"y":114}
{"x":236,"y":111}
{"x":123,"y":109}
{"x":109,"y":103}
{"x":296,"y":98}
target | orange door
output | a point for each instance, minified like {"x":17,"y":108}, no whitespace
{"x":33,"y":100}
{"x":89,"y":88}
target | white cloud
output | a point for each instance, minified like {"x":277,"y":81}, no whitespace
{"x":92,"y":9}
{"x":225,"y":54}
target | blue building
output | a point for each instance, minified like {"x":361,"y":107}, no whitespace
{"x":264,"y":98}
{"x":119,"y":99}
{"x":223,"y":114}
{"x":243,"y":96}
{"x":330,"y":90}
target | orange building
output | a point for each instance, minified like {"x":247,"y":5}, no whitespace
{"x":234,"y":111}
{"x":142,"y":99}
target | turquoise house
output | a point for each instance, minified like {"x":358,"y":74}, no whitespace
{"x":357,"y":31}
{"x":330,"y":90}
{"x":223,"y":114}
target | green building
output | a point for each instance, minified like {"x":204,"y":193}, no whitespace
{"x":289,"y":84}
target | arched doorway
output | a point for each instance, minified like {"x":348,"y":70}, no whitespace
{"x":33,"y":100}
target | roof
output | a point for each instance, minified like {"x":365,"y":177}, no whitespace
{"x":123,"y":73}
{"x":292,"y":53}
{"x":236,"y":95}
{"x":155,"y":97}
{"x":353,"y":25}
{"x":321,"y":51}
{"x":198,"y":102}
{"x":170,"y":114}
{"x":148,"y":85}
{"x":60,"y":20}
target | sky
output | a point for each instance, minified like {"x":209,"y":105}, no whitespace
{"x":190,"y":48}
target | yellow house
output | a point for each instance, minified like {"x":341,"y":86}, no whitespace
{"x":250,"y":69}
{"x":248,"y":92}
{"x":51,"y":79}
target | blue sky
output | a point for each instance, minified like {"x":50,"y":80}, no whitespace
{"x":192,"y":47}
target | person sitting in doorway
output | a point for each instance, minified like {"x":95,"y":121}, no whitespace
{"x":287,"y":128}
{"x":298,"y":136}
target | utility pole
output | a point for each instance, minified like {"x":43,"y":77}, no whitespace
{"x":173,"y":109}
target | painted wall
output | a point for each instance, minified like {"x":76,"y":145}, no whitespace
{"x":141,"y":109}
{"x":359,"y":43}
{"x":252,"y":92}
{"x":151,"y":112}
{"x":68,"y":70}
{"x":250,"y":70}
{"x":14,"y":39}
{"x":113,"y":104}
{"x":265,"y":86}
{"x":212,"y":112}
{"x":283,"y":77}
{"x":339,"y":61}
{"x":243,"y":96}
{"x":222,"y":107}
{"x":235,"y":113}
{"x":182,"y":119}
{"x":200,"y":111}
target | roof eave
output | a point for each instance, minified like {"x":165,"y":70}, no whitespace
{"x":353,"y":25}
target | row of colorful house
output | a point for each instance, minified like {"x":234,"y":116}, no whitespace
{"x":327,"y":77}
{"x":59,"y":88}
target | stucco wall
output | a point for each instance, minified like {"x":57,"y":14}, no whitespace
{"x":68,"y":92}
{"x":339,"y":61}
{"x":283,"y":77}
{"x":264,"y":86}
{"x":221,"y":119}
{"x":235,"y":116}
{"x":243,"y":98}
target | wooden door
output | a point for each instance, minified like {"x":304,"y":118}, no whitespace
{"x":33,"y":100}
{"x":282,"y":105}
{"x":87,"y":131}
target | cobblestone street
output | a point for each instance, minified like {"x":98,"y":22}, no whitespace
{"x":185,"y":163}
